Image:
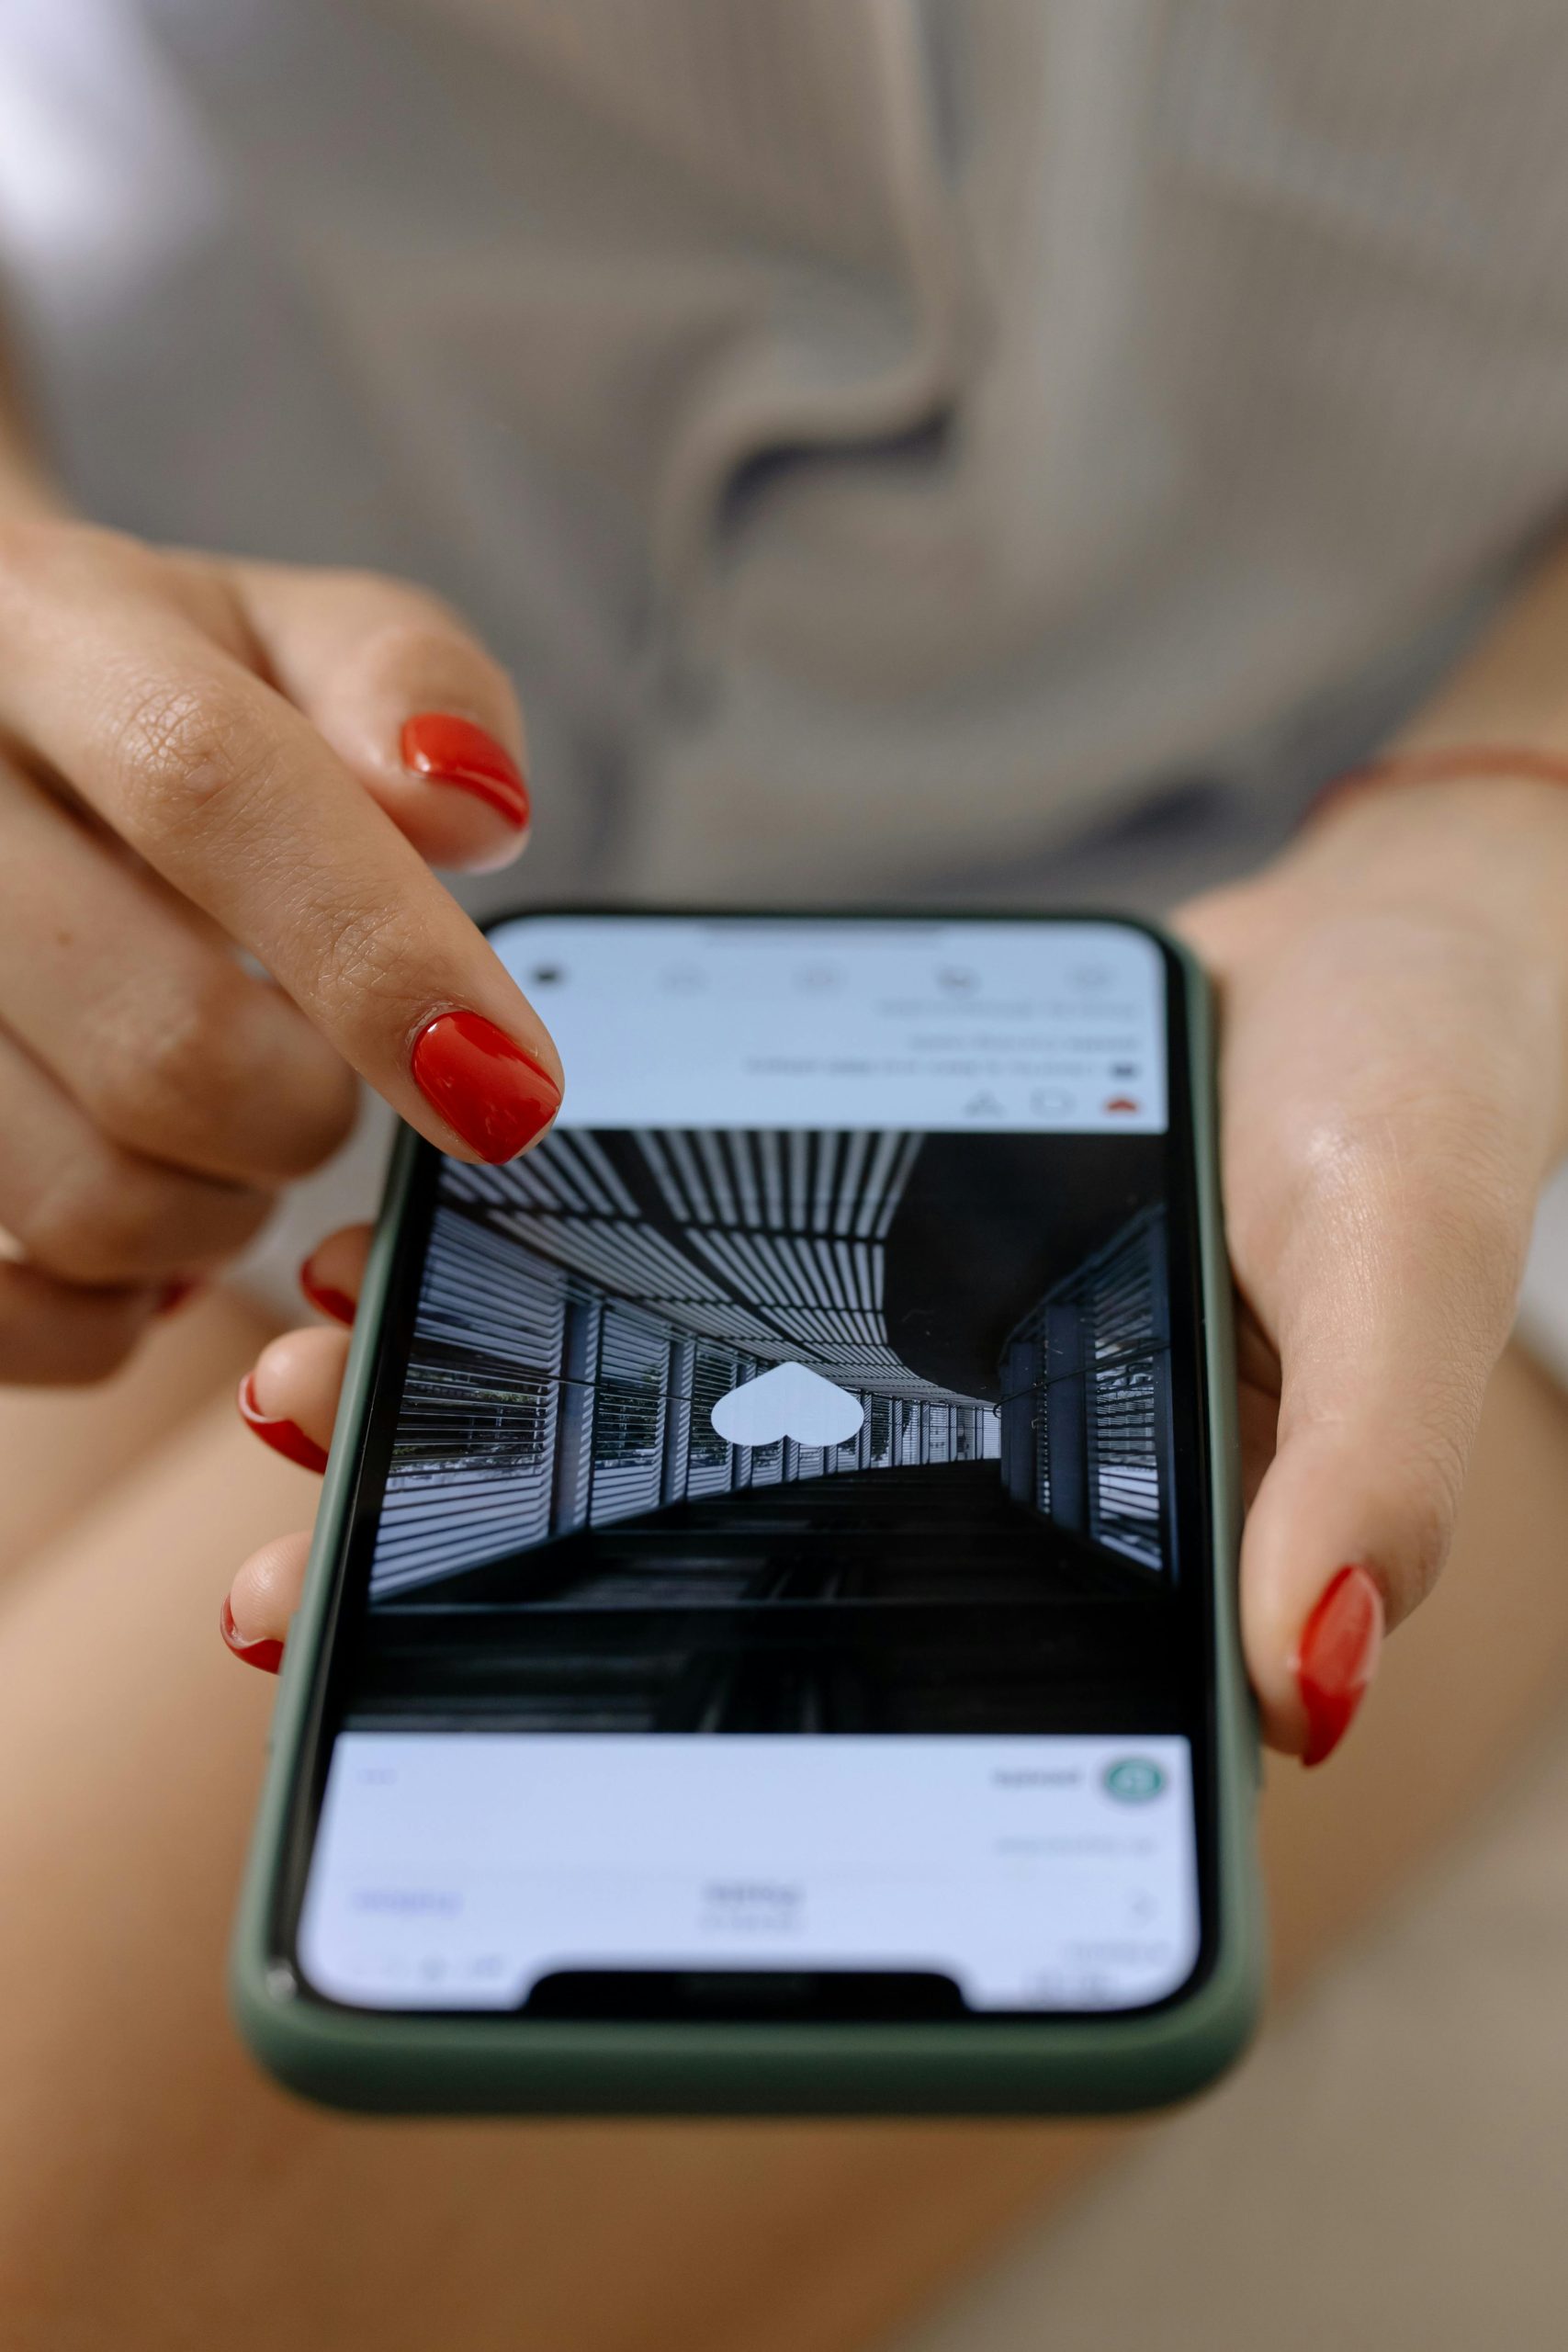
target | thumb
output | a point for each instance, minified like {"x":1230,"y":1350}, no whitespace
{"x":407,"y":698}
{"x":1392,"y":1301}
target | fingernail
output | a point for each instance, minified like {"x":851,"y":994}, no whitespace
{"x":1337,"y":1658}
{"x":447,"y":749}
{"x":488,"y":1089}
{"x":323,"y":1297}
{"x":284,"y":1437}
{"x":175,"y":1293}
{"x":267,"y":1655}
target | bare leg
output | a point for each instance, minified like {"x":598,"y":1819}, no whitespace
{"x":157,"y":2193}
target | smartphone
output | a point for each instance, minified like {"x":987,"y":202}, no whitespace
{"x":770,"y":1644}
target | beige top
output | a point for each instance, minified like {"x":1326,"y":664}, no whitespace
{"x":887,"y":440}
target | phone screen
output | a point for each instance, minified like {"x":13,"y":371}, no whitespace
{"x":780,"y":1576}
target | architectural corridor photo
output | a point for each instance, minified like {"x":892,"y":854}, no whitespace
{"x":570,"y":1542}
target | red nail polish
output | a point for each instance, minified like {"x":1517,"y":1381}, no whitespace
{"x":454,"y":750}
{"x":284,"y":1437}
{"x":267,"y":1655}
{"x":324,"y":1298}
{"x":174,"y":1293}
{"x":487,"y":1089}
{"x":1337,"y":1658}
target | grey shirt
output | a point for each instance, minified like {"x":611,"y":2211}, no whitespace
{"x":896,"y":444}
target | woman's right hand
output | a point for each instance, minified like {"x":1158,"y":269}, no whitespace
{"x":199,"y":755}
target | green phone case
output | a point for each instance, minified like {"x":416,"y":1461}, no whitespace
{"x":376,"y":2061}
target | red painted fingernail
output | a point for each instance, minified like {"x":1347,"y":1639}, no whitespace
{"x":323,"y":1297}
{"x":284,"y":1437}
{"x":1337,"y":1658}
{"x":175,"y":1293}
{"x":488,"y":1089}
{"x":447,"y":749}
{"x":267,"y":1655}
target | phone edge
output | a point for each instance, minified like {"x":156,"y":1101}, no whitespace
{"x":370,"y":2062}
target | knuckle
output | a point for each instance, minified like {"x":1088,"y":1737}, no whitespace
{"x":178,"y":1071}
{"x":207,"y":1074}
{"x":107,"y":1217}
{"x":94,"y":1222}
{"x":1426,"y":1177}
{"x":182,"y":759}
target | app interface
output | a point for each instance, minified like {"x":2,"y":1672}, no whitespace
{"x":783,"y":1562}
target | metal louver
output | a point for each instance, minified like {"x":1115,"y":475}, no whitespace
{"x":472,"y":1463}
{"x":1086,"y":1401}
{"x":628,"y":1416}
{"x":584,"y":1309}
{"x":1127,"y":1353}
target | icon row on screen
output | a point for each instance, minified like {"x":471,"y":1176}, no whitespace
{"x":955,"y":980}
{"x":1049,"y":1103}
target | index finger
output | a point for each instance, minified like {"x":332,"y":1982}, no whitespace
{"x":230,"y":792}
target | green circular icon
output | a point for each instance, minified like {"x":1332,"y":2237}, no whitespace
{"x":1134,"y":1780}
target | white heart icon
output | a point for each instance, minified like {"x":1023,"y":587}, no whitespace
{"x":790,"y":1401}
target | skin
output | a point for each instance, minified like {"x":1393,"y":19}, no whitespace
{"x":1395,"y":1079}
{"x":196,"y":756}
{"x":1395,"y":1068}
{"x":197,"y":753}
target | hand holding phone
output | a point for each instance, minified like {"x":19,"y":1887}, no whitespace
{"x":772,"y":1637}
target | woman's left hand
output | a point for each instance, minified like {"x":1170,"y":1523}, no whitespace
{"x":1394,"y":1076}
